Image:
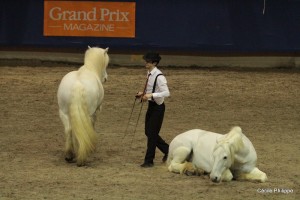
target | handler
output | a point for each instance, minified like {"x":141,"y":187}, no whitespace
{"x":155,"y":90}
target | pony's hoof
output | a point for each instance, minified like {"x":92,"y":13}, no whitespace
{"x":264,"y":178}
{"x":69,"y":156}
{"x":69,"y":159}
{"x":80,"y":164}
{"x":190,"y":173}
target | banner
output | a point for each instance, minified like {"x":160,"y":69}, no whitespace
{"x":86,"y":18}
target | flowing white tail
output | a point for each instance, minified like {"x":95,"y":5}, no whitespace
{"x":80,"y":94}
{"x":82,"y":126}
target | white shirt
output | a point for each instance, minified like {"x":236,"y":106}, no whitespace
{"x":161,"y":89}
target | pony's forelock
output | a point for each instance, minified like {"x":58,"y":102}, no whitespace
{"x":233,"y":140}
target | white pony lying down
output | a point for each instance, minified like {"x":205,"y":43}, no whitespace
{"x":225,"y":157}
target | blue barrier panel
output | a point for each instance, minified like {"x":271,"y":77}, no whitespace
{"x":191,"y":26}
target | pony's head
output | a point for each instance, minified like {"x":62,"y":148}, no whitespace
{"x":224,"y":153}
{"x":97,"y":59}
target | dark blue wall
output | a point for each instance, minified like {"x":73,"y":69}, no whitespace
{"x":192,"y":26}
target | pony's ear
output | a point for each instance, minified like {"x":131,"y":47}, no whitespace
{"x":106,"y":50}
{"x":89,"y":47}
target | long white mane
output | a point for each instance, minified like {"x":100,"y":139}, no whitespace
{"x":232,"y":141}
{"x":96,"y":56}
{"x":96,"y":59}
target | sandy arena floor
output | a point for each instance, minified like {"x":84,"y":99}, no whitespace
{"x":265,"y":103}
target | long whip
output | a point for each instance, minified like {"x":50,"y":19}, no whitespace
{"x":125,"y":133}
{"x":137,"y":121}
{"x":142,"y":102}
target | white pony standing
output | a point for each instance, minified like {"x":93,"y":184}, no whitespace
{"x":223,"y":156}
{"x":80,"y":95}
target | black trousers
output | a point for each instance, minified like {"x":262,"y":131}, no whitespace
{"x":153,"y":123}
